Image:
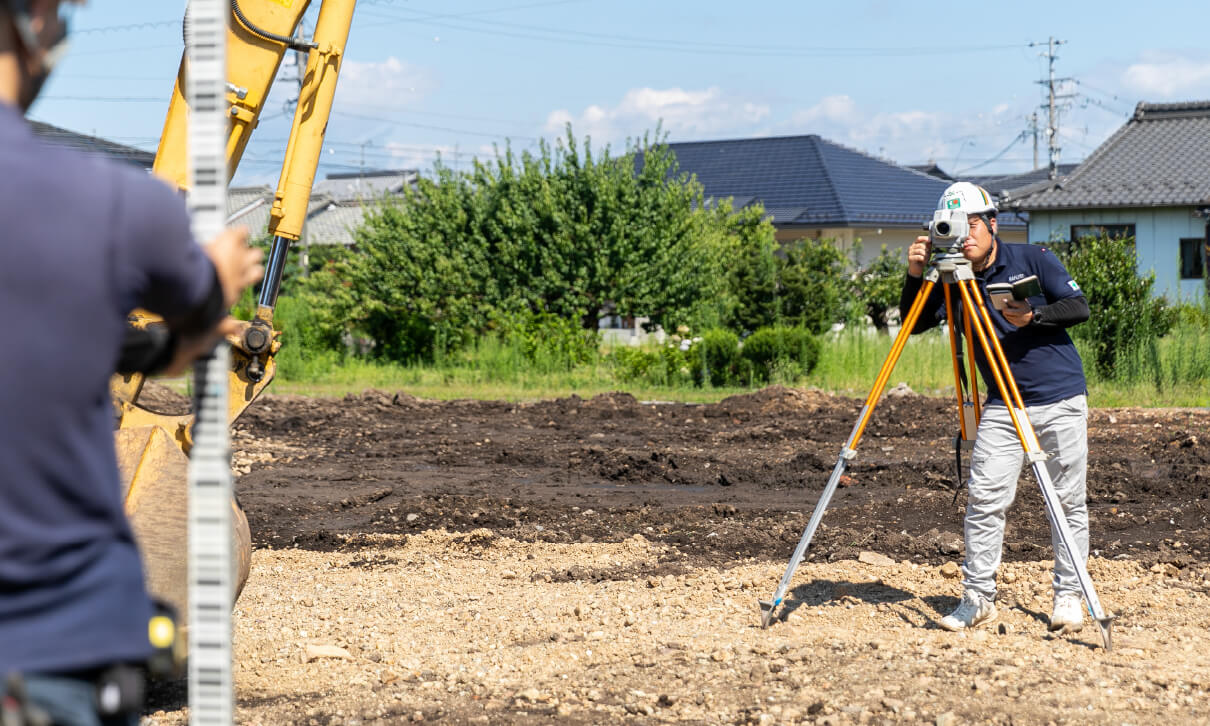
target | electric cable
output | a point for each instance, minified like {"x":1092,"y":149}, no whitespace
{"x":1018,"y":139}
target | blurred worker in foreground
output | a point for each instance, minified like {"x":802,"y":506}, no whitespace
{"x":84,"y":242}
{"x":1050,"y":375}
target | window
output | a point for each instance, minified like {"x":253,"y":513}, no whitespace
{"x":1194,"y":251}
{"x":1112,"y":231}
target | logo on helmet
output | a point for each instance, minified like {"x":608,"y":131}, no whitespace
{"x":953,"y":203}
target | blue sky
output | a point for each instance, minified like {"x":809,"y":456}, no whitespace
{"x":913,"y":82}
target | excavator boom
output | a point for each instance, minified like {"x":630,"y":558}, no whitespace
{"x":153,"y":447}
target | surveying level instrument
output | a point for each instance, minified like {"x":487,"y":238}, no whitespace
{"x":954,"y":271}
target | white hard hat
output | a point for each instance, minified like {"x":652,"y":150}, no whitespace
{"x":967,"y":197}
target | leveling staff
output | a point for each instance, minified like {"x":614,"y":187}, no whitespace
{"x":1050,"y":376}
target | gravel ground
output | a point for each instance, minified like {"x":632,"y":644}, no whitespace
{"x":472,"y":628}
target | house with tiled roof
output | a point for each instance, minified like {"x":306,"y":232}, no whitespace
{"x":94,"y":145}
{"x":1150,"y":180}
{"x":337,"y":207}
{"x":814,"y":188}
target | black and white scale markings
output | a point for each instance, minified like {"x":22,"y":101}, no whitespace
{"x":211,"y":699}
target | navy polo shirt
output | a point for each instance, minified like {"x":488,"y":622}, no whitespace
{"x":83,"y":241}
{"x":1044,"y":363}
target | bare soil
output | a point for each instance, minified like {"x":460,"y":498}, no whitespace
{"x":600,"y":560}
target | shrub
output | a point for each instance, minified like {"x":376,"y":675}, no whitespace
{"x":1124,"y":316}
{"x":548,"y":342}
{"x":780,"y":352}
{"x":715,"y":358}
{"x":662,"y":366}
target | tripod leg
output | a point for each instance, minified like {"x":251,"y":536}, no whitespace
{"x":1059,"y":521}
{"x":768,"y":606}
{"x":985,"y":331}
{"x":847,"y":453}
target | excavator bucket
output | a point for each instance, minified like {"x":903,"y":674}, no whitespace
{"x":154,"y":475}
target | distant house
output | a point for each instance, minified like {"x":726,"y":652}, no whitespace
{"x":1151,"y":181}
{"x":996,"y":184}
{"x":337,"y":207}
{"x":814,"y":188}
{"x":94,"y":145}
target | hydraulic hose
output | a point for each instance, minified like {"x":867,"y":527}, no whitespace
{"x":291,"y":43}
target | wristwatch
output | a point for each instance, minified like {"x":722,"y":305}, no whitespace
{"x":1037,"y":317}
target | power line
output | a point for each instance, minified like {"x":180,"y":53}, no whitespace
{"x":1017,"y":139}
{"x":110,"y":99}
{"x":699,"y":48}
{"x":395,"y":122}
{"x":461,"y":117}
{"x":128,"y":26}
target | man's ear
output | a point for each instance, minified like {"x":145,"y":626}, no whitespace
{"x":993,"y":225}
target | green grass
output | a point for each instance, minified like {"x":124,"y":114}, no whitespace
{"x":1174,"y":372}
{"x":496,"y":374}
{"x":849,"y":364}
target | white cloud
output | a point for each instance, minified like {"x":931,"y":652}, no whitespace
{"x":1165,"y":75}
{"x":954,"y":138}
{"x":831,"y":109}
{"x":684,"y":113}
{"x":391,"y":82}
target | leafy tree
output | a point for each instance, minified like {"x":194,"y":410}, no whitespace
{"x":812,"y":283}
{"x":752,"y":275}
{"x":561,"y":232}
{"x":876,"y":286}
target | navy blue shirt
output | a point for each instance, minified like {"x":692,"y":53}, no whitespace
{"x":83,"y":241}
{"x":1044,"y":362}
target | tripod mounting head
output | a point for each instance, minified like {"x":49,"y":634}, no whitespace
{"x":946,"y":266}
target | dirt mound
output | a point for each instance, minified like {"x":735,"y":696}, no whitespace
{"x":774,"y":400}
{"x":739,"y":484}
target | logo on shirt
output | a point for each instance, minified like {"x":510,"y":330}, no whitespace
{"x":1016,"y":276}
{"x":1072,"y":284}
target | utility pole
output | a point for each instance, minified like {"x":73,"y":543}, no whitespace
{"x":1033,"y":129}
{"x":1052,"y":128}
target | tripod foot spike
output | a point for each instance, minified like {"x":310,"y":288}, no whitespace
{"x":766,"y":612}
{"x":1106,"y":626}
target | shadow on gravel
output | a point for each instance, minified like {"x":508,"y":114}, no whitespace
{"x":834,"y":592}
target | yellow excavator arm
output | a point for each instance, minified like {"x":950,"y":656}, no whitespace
{"x":152,"y":447}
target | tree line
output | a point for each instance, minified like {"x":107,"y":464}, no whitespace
{"x":532,"y":247}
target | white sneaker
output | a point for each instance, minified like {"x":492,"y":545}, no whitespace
{"x":1068,"y":615}
{"x":972,"y":611}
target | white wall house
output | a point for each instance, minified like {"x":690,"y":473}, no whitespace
{"x":1150,"y":180}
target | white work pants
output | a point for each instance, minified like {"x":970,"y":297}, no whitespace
{"x":995,"y":465}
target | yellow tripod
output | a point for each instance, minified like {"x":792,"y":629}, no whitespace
{"x":954,"y":271}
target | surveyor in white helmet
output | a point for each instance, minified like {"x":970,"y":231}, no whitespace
{"x":1050,"y":375}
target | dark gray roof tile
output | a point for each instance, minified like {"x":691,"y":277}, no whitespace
{"x":810,"y":181}
{"x":93,"y":145}
{"x":1160,"y":157}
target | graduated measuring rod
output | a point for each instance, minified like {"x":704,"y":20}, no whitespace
{"x":954,"y":270}
{"x":211,"y":692}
